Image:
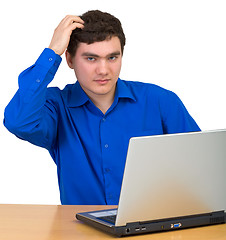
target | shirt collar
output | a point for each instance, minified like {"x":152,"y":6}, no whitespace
{"x":123,"y":91}
{"x":78,"y":97}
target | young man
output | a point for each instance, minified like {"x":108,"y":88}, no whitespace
{"x":86,"y":127}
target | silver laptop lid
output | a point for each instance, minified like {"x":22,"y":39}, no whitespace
{"x":173,"y":175}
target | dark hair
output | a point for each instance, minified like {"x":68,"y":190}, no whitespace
{"x":98,"y":27}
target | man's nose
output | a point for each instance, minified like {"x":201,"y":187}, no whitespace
{"x":102,"y":68}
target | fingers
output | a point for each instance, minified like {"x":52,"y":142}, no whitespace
{"x":63,"y":32}
{"x":69,"y":23}
{"x":75,"y":25}
{"x":71,"y":19}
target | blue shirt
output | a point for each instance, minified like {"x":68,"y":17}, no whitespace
{"x":89,"y":147}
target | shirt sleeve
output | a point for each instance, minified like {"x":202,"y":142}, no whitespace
{"x":29,"y":115}
{"x":176,"y":118}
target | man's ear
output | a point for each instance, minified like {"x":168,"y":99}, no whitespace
{"x":69,"y":59}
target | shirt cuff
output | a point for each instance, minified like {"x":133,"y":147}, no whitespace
{"x":49,"y":59}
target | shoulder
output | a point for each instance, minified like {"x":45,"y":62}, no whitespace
{"x":56,"y":94}
{"x":148,"y":90}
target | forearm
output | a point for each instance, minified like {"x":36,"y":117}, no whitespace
{"x":25,"y":115}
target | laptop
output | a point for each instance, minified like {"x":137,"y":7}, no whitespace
{"x":170,"y":182}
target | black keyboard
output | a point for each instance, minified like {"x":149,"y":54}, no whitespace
{"x":110,"y":218}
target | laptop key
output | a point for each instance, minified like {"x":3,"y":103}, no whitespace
{"x":110,"y":218}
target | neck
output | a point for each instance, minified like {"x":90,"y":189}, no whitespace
{"x":102,"y":102}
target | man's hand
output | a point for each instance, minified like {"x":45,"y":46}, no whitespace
{"x":62,"y":33}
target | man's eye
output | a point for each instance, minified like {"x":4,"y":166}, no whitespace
{"x":90,"y":59}
{"x":112,"y":58}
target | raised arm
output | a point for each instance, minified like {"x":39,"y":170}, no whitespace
{"x":32,"y":113}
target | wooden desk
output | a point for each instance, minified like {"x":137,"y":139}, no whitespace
{"x":41,"y":222}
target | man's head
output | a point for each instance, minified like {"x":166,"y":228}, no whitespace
{"x":99,"y":26}
{"x":95,"y":55}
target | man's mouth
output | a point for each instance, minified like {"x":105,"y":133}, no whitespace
{"x":102,"y":81}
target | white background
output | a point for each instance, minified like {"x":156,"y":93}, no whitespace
{"x":179,"y":45}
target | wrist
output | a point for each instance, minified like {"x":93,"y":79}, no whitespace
{"x":55,"y":50}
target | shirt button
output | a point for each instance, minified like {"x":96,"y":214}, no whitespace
{"x":38,"y":80}
{"x":107,"y":170}
{"x":106,"y":145}
{"x":104,"y":119}
{"x":50,"y":59}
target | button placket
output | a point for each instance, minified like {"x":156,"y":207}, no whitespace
{"x":104,"y":135}
{"x":105,"y":144}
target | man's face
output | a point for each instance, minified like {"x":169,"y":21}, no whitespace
{"x":97,"y":67}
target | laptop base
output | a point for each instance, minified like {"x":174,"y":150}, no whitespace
{"x":158,"y":226}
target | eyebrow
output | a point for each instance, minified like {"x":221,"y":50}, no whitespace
{"x":89,"y":54}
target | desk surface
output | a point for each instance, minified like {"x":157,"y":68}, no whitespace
{"x":41,"y":222}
